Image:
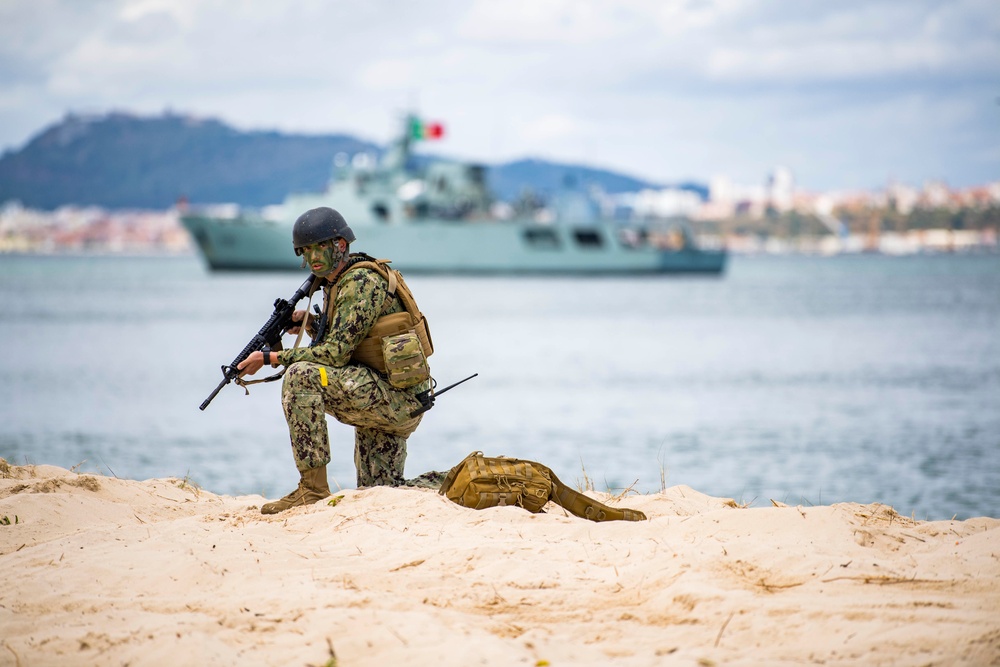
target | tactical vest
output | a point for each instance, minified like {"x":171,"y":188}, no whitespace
{"x":369,"y":351}
{"x":480,"y":481}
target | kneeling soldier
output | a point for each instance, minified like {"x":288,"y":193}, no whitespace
{"x":369,"y":318}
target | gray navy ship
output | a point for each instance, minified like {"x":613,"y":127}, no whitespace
{"x":439,"y":217}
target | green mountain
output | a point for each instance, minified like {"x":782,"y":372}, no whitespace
{"x":121,"y":160}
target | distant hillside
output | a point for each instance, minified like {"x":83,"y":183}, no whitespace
{"x":121,"y":160}
{"x":511,"y":179}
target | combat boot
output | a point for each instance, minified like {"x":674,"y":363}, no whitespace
{"x":312,"y":488}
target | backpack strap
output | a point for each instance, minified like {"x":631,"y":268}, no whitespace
{"x":391,"y":293}
{"x":586,"y":507}
{"x":391,"y":276}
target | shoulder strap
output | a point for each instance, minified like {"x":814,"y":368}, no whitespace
{"x":380,"y":266}
{"x":397,"y":285}
{"x":392,"y":287}
{"x":586,"y":507}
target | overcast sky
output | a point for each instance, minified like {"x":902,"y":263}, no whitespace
{"x":846,"y":94}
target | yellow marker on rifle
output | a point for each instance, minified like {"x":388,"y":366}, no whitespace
{"x":322,"y":376}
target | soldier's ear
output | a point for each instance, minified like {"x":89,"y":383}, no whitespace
{"x":342,"y":245}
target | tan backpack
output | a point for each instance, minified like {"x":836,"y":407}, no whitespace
{"x":479,"y":482}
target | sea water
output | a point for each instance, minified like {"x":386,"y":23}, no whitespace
{"x":799,"y":379}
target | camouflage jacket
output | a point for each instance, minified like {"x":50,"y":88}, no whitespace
{"x":358,"y":298}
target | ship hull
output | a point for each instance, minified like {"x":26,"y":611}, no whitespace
{"x":455,"y":247}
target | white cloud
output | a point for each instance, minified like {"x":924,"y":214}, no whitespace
{"x":663,"y":88}
{"x":556,"y":22}
{"x":553,"y":127}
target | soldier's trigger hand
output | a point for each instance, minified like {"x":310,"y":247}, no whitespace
{"x":297,"y":316}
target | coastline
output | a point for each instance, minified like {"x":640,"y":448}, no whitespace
{"x":103,"y":571}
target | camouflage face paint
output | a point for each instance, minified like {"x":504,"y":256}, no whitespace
{"x":322,"y":258}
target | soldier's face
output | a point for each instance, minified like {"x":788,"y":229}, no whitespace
{"x":323,"y":257}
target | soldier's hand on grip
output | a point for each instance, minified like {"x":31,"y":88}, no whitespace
{"x":297,"y":316}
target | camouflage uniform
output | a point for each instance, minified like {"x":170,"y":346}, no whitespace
{"x":320,"y":380}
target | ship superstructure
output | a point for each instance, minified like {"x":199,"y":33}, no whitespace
{"x":439,"y":216}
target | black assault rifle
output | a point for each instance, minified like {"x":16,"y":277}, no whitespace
{"x":269,"y":335}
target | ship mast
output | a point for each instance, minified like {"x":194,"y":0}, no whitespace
{"x":398,"y":154}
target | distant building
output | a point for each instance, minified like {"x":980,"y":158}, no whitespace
{"x":727,"y":199}
{"x":935,"y":194}
{"x":902,"y":198}
{"x":780,"y":189}
{"x":665,"y":203}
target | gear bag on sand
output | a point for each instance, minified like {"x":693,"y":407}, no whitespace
{"x":479,"y":482}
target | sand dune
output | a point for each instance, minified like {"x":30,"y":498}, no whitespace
{"x":102,"y":571}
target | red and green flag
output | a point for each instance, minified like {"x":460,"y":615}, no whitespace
{"x":423,"y":130}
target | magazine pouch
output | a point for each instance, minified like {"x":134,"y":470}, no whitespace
{"x":405,"y":363}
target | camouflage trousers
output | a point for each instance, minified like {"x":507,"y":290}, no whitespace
{"x":355,"y":395}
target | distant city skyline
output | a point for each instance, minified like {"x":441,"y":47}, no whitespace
{"x":846,"y":95}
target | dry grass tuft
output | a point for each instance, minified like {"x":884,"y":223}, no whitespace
{"x":664,"y":471}
{"x":588,"y":483}
{"x":189,"y":485}
{"x":878,"y":512}
{"x":628,"y":490}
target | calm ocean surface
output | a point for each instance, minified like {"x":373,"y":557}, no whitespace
{"x":804,"y":380}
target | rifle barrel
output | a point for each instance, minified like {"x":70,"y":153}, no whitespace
{"x":215,"y":393}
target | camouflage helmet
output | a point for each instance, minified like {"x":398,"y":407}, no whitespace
{"x":319,"y":224}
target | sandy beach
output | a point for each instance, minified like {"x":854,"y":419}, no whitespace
{"x":104,"y":571}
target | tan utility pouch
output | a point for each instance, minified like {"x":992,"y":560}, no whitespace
{"x":405,"y":363}
{"x":370,"y":351}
